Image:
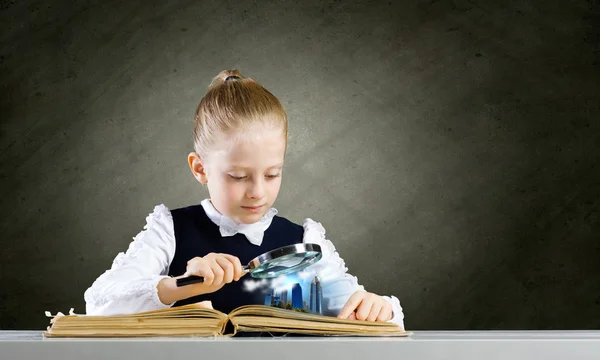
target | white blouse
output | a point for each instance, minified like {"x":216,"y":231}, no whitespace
{"x":130,"y":285}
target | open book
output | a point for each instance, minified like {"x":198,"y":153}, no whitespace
{"x":198,"y":320}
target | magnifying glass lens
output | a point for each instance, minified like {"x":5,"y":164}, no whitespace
{"x":280,"y":261}
{"x":286,"y":264}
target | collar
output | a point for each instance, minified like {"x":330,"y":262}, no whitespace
{"x":254,"y":232}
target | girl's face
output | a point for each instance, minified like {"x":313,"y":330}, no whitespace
{"x":243,"y":175}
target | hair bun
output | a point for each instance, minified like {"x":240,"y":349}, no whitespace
{"x":232,"y":104}
{"x":225,"y":76}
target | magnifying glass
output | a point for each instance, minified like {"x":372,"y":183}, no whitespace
{"x":281,"y":261}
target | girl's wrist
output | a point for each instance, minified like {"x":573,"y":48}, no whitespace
{"x":169,"y":292}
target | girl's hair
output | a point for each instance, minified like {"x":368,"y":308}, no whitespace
{"x":233,"y":103}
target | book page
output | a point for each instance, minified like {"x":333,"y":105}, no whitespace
{"x":265,"y":318}
{"x":188,"y":320}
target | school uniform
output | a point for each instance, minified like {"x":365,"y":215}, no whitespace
{"x":172,"y":237}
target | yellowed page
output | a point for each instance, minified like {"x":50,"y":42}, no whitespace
{"x":286,"y":330}
{"x":146,"y":332}
{"x":265,"y":318}
{"x":189,"y":320}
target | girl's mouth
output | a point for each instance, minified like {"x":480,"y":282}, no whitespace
{"x":252,"y":208}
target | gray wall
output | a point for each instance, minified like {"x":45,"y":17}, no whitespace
{"x":450,"y":148}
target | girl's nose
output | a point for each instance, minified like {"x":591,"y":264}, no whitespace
{"x":256,"y":190}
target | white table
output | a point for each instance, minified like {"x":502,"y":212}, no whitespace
{"x":422,"y":345}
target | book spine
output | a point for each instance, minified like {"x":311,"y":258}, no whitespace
{"x":228,"y":327}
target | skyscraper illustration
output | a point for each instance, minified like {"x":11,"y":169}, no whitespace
{"x":297,"y":296}
{"x":270,"y":298}
{"x":284,"y":297}
{"x":316,"y":296}
{"x":276,"y":297}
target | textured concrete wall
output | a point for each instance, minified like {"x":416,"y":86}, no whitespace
{"x":450,"y":148}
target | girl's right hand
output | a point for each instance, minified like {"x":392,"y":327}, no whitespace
{"x":217,"y":270}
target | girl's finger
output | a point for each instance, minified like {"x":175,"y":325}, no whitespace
{"x":218,"y":273}
{"x":237,"y":266}
{"x":364,"y":308}
{"x":227,"y":267}
{"x":375,"y":310}
{"x":201,"y":269}
{"x":192,"y":266}
{"x":385,"y":314}
{"x":351,"y":304}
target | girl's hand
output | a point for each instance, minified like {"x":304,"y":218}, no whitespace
{"x":217,"y":270}
{"x":363,"y":305}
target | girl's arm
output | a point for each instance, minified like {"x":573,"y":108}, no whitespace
{"x":130,"y":285}
{"x":337,"y":284}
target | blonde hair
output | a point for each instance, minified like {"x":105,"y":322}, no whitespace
{"x":234,"y":103}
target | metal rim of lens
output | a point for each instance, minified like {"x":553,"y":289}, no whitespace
{"x":312,"y":258}
{"x":283,"y":251}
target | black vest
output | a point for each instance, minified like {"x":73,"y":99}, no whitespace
{"x":197,"y":235}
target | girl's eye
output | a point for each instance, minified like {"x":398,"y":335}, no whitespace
{"x":243,"y":177}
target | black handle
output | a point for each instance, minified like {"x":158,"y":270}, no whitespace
{"x":192,"y":279}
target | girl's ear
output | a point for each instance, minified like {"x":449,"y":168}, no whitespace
{"x":197,"y":167}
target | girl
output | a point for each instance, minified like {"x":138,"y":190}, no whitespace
{"x":240,"y":140}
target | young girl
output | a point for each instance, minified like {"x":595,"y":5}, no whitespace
{"x":240,"y":140}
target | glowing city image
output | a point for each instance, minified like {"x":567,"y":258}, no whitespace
{"x":281,"y":298}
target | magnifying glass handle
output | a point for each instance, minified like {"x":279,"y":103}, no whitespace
{"x":189,"y":280}
{"x":194,"y":279}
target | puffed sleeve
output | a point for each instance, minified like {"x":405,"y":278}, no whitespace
{"x":337,"y":284}
{"x":129,"y":286}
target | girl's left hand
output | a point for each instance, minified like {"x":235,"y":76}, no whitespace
{"x":363,"y":305}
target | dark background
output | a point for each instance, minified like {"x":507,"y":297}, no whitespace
{"x":450,"y":148}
